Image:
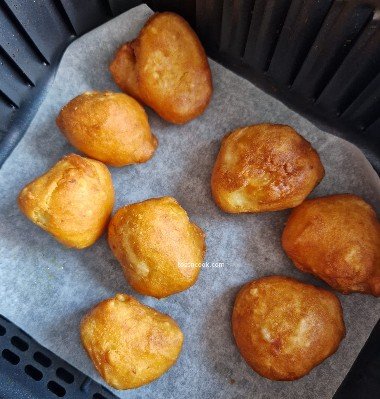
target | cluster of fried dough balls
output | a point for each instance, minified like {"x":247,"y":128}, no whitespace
{"x":336,"y":238}
{"x":158,"y":247}
{"x":160,"y":250}
{"x":72,"y":201}
{"x":264,"y":168}
{"x":284,"y":328}
{"x":110,"y":127}
{"x":165,"y":68}
{"x":129,"y":343}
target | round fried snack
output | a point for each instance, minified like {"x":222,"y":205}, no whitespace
{"x":264,"y":168}
{"x":72,"y":201}
{"x":284,"y":328}
{"x":336,"y":238}
{"x":166,"y":68}
{"x":110,"y":127}
{"x":158,"y":247}
{"x":129,"y":343}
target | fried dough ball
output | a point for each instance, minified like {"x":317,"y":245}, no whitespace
{"x":110,"y":127}
{"x":158,"y":247}
{"x":336,"y":238}
{"x":166,"y":68}
{"x":72,"y":201}
{"x":129,"y":343}
{"x":124,"y":72}
{"x":264,"y":168}
{"x":284,"y":328}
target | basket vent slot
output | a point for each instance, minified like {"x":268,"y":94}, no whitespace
{"x":19,"y":343}
{"x":57,"y":389}
{"x":268,"y":17}
{"x":302,"y":24}
{"x":65,"y":375}
{"x":340,"y":30}
{"x":42,"y":359}
{"x":353,"y":77}
{"x":33,"y":372}
{"x":235,"y":26}
{"x":10,"y":356}
{"x":2,"y":330}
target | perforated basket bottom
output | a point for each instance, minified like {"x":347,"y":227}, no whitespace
{"x":28,"y":370}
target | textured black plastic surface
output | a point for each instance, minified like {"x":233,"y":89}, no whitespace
{"x":363,"y":380}
{"x":321,"y":57}
{"x":33,"y":36}
{"x":29,"y":371}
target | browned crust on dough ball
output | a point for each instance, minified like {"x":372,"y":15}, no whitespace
{"x":130,"y":344}
{"x":336,"y":238}
{"x":110,"y":127}
{"x":284,"y":328}
{"x":265,"y":167}
{"x":166,"y":67}
{"x":72,"y":201}
{"x":158,"y":247}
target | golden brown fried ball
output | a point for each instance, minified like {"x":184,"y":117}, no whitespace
{"x":110,"y":127}
{"x":336,"y":238}
{"x":129,"y":343}
{"x":72,"y":201}
{"x":158,"y":247}
{"x":264,"y":168}
{"x":165,"y":68}
{"x":284,"y":328}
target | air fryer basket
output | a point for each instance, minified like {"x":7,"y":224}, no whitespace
{"x":320,"y":57}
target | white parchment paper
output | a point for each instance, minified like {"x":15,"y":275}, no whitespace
{"x":46,"y":288}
